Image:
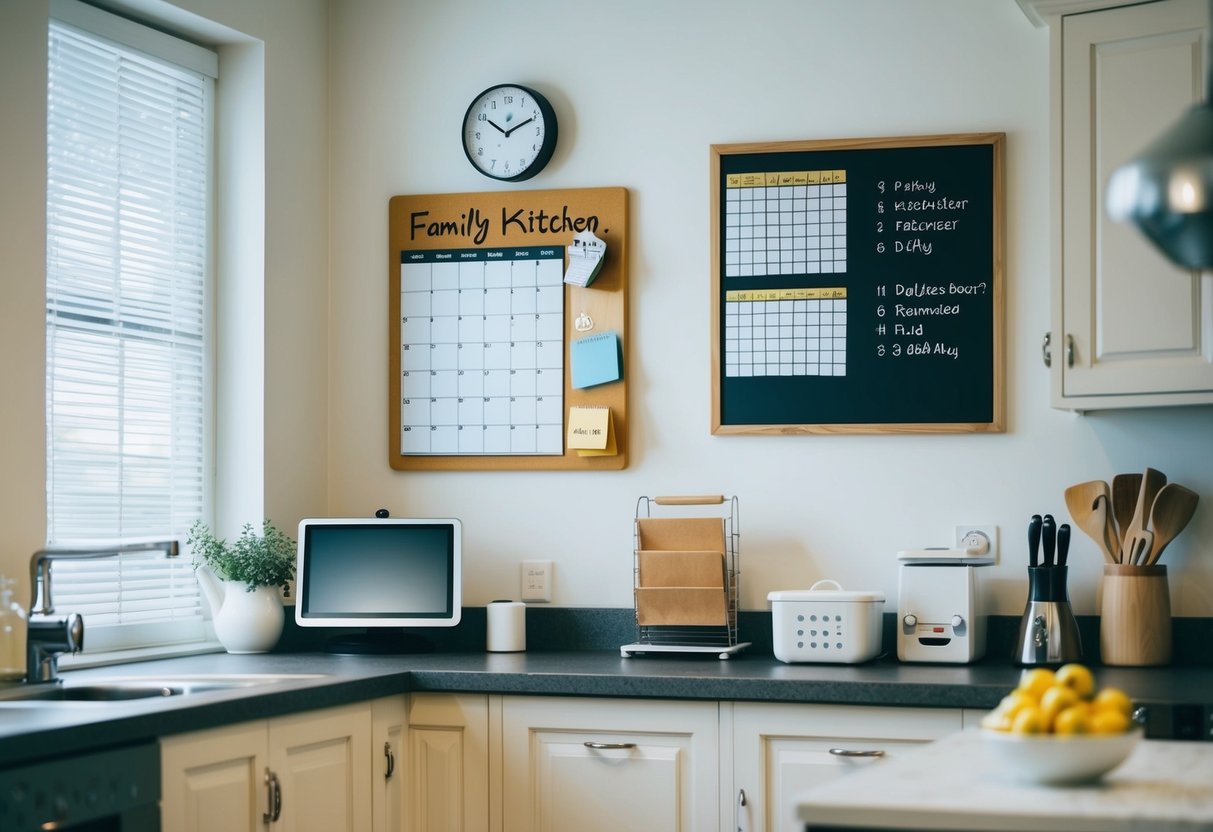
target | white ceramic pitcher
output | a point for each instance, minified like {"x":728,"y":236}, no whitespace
{"x":245,"y":622}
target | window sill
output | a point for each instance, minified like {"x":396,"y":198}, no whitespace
{"x":141,"y":654}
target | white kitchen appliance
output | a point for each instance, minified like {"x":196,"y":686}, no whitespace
{"x":826,"y":625}
{"x":940,"y":609}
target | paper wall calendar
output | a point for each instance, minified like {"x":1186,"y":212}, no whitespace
{"x":482,"y":351}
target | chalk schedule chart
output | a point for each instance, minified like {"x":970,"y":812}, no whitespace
{"x":857,"y":285}
{"x":482,"y":351}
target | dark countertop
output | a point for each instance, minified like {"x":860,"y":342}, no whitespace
{"x":29,"y":733}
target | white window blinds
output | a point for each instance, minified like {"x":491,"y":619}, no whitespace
{"x":128,"y":169}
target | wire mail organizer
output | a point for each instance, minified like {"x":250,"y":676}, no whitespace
{"x":685,"y":575}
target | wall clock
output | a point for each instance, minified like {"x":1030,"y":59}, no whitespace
{"x":509,"y":132}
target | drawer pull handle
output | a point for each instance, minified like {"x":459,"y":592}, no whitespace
{"x":849,"y":752}
{"x":610,"y":746}
{"x":390,"y":764}
{"x":273,"y":798}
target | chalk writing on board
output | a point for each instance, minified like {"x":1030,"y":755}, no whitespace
{"x":858,"y":284}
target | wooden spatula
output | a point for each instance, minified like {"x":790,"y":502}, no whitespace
{"x":1125,"y":490}
{"x":1088,"y":506}
{"x":1173,"y":508}
{"x":1136,"y":549}
{"x":1152,"y":482}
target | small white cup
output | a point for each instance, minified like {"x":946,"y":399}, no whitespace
{"x":506,"y":627}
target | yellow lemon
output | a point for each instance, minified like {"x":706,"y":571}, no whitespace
{"x":1077,"y":677}
{"x":1055,"y":700}
{"x":1113,"y":699}
{"x":1072,"y":720}
{"x":1035,"y":682}
{"x":1108,"y":722}
{"x":996,"y":720}
{"x":1014,"y":702}
{"x":1028,"y":721}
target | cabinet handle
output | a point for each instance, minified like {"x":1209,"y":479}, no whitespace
{"x":848,"y":752}
{"x":741,"y":797}
{"x":391,"y":761}
{"x":1046,"y":349}
{"x":273,"y":798}
{"x":610,"y":746}
{"x":1069,"y":350}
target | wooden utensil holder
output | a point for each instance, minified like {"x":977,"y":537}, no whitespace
{"x":1135,"y":625}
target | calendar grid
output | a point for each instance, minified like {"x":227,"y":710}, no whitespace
{"x":786,"y":332}
{"x":482,"y":351}
{"x":786,"y":223}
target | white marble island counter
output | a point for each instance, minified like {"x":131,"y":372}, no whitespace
{"x":1164,"y":786}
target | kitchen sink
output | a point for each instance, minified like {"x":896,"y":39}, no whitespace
{"x":125,"y":689}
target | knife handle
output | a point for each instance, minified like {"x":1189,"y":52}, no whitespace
{"x":1063,"y":543}
{"x":1034,"y":540}
{"x":1048,"y":535}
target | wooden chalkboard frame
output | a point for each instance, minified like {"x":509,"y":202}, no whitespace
{"x":773,"y":156}
{"x":520,"y":218}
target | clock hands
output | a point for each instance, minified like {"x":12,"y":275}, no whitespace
{"x":515,"y":127}
{"x":506,"y":133}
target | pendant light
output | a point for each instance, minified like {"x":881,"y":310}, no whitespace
{"x":1167,"y":190}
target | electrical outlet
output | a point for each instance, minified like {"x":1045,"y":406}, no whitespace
{"x":982,"y":537}
{"x":536,"y":580}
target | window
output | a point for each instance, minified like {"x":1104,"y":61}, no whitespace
{"x":129,"y":113}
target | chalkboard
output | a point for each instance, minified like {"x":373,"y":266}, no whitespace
{"x":857,"y":285}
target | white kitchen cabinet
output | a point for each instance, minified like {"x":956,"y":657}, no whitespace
{"x":1129,"y":329}
{"x":215,"y":780}
{"x":389,"y":784}
{"x":307,"y":772}
{"x":608,"y":764}
{"x":779,"y":750}
{"x":446,"y":763}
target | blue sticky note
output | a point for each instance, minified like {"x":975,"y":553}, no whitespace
{"x":595,"y":359}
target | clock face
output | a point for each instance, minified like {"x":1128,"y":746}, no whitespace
{"x":509,"y":132}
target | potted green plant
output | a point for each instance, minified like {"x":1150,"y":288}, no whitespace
{"x":241,"y":581}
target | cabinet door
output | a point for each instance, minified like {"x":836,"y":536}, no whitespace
{"x":601,"y":764}
{"x":447,"y":763}
{"x":213,"y":781}
{"x":1141,"y":328}
{"x":780,"y":750}
{"x":387,"y":769}
{"x":323,"y":763}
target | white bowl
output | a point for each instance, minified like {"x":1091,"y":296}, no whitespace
{"x":1056,"y":759}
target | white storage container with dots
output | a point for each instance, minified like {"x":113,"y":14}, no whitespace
{"x":826,"y":625}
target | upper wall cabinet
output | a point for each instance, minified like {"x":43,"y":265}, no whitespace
{"x":1129,"y":329}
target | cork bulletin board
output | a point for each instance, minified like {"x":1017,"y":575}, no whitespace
{"x":857,"y":285}
{"x":486,"y":341}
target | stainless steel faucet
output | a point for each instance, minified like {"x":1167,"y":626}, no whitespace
{"x":40,"y":564}
{"x":47,"y":637}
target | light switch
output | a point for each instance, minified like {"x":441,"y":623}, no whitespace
{"x":536,"y":580}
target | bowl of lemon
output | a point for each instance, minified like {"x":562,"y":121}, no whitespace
{"x":1056,"y":728}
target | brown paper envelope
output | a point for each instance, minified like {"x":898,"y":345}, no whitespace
{"x":680,"y":606}
{"x":681,"y":534}
{"x":681,"y":569}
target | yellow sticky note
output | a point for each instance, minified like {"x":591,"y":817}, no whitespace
{"x":590,"y":431}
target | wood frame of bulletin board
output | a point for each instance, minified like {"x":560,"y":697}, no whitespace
{"x":857,"y":286}
{"x":507,"y":222}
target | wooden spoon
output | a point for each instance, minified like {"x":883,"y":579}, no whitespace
{"x":1088,"y":506}
{"x":1125,"y":490}
{"x":1173,"y":508}
{"x":1152,"y":482}
{"x":1111,"y":538}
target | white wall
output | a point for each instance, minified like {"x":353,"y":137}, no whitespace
{"x":642,"y":89}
